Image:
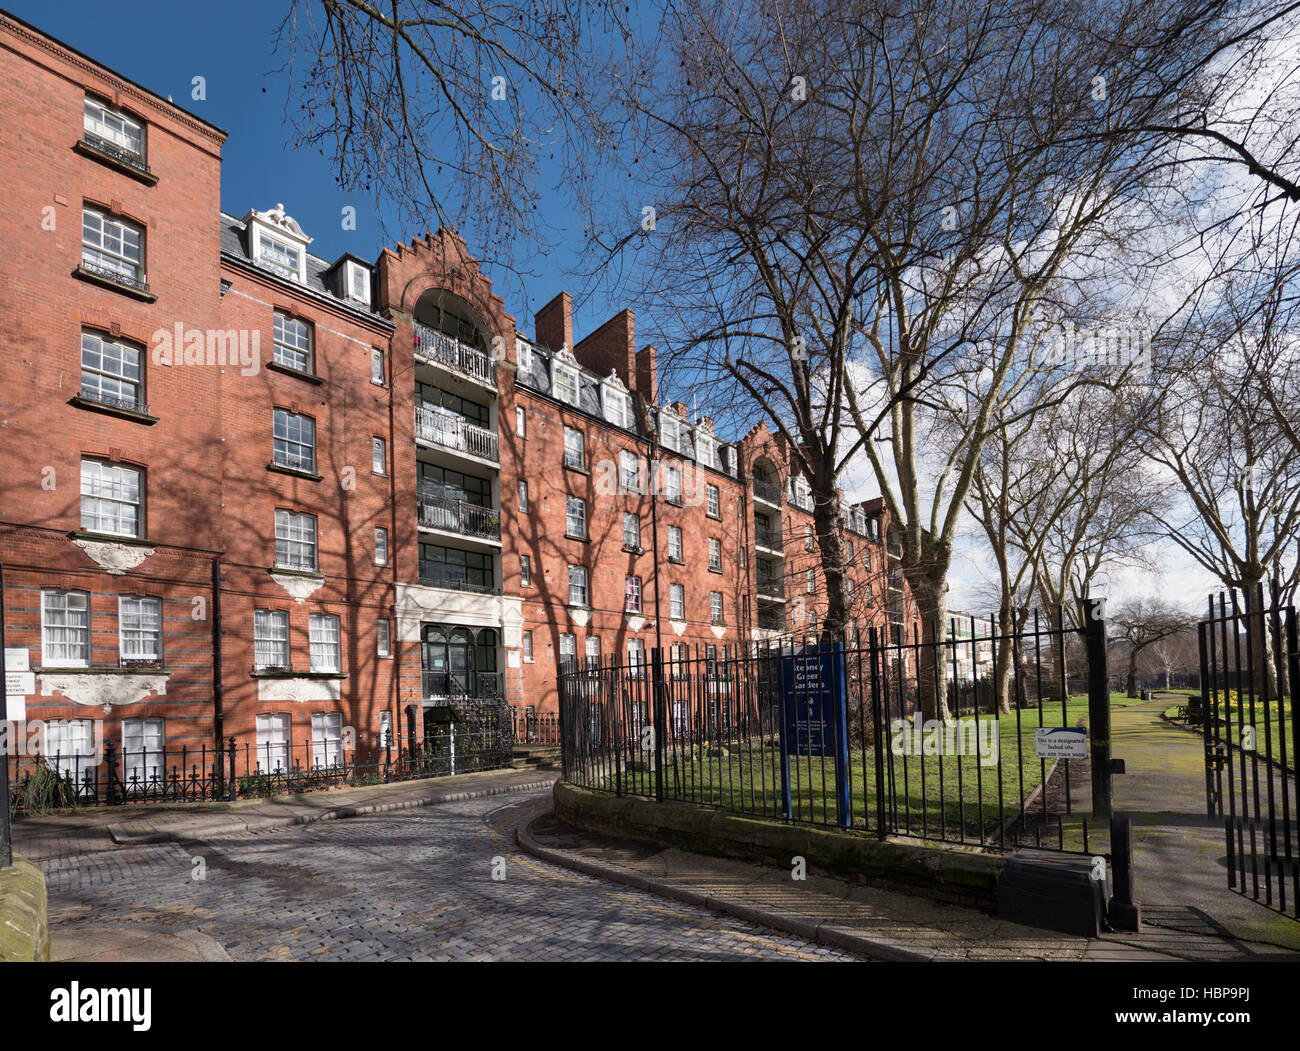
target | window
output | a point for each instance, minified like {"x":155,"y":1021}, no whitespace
{"x":284,"y":259}
{"x":383,"y":638}
{"x":568,"y":649}
{"x":520,"y":426}
{"x":848,"y":588}
{"x":270,"y":639}
{"x":113,"y":128}
{"x":573,"y":451}
{"x":528,"y":647}
{"x":616,"y":406}
{"x":676,"y":602}
{"x":110,"y":498}
{"x":575,"y":517}
{"x":629,"y":472}
{"x":675,"y":543}
{"x":139,"y":628}
{"x":673,"y":486}
{"x":295,"y":540}
{"x":273,"y":742}
{"x":668,"y":431}
{"x":715,"y":607}
{"x":577,"y":585}
{"x":381,"y":546}
{"x":377,"y":370}
{"x":631,"y":530}
{"x":142,"y":751}
{"x":325,"y":643}
{"x":593,"y":651}
{"x":812,"y":581}
{"x":292,"y":340}
{"x":65,"y":629}
{"x":808,"y":542}
{"x":110,"y":372}
{"x":112,"y":246}
{"x":677,"y":656}
{"x":378,"y":456}
{"x":849,"y":552}
{"x":566,"y":385}
{"x":631,"y":594}
{"x":294,"y":441}
{"x":715,"y":553}
{"x":523,"y":496}
{"x":524,"y":352}
{"x":358,"y":283}
{"x":525,"y":571}
{"x":636,"y":658}
{"x":326,"y":739}
{"x":714,"y":505}
{"x":68,"y":743}
{"x":706,"y":450}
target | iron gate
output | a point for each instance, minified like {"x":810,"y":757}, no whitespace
{"x":1250,"y":665}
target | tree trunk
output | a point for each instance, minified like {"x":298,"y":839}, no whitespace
{"x":1133,"y":671}
{"x":1000,"y":700}
{"x":927,"y":583}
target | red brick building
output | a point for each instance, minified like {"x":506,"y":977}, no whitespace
{"x":254,"y":493}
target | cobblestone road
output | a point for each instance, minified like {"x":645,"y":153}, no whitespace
{"x":415,"y":885}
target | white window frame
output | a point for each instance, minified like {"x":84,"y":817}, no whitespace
{"x":274,"y":742}
{"x":378,"y":455}
{"x":561,"y":391}
{"x":575,"y":509}
{"x":112,"y":244}
{"x":673,"y":484}
{"x":578,"y":593}
{"x":139,"y":627}
{"x":291,"y":533}
{"x":811,"y":581}
{"x":106,"y":122}
{"x":144,"y":747}
{"x":271,"y":639}
{"x":108,"y":487}
{"x":71,"y":647}
{"x":575,"y":453}
{"x":326,"y":740}
{"x":809,"y":541}
{"x":568,"y":647}
{"x":629,"y":467}
{"x":521,"y":424}
{"x":523,"y":497}
{"x":524,"y":354}
{"x":378,"y":367}
{"x":118,"y":377}
{"x":296,"y":255}
{"x":615,"y":407}
{"x":325,"y":642}
{"x":66,"y":742}
{"x":715,"y":553}
{"x":713,"y":497}
{"x":675,"y":543}
{"x":592,"y":653}
{"x":292,"y":432}
{"x":676,"y":602}
{"x":383,"y":637}
{"x":355,"y":270}
{"x":381,"y":546}
{"x":525,"y":571}
{"x":636,"y":658}
{"x":633,"y":600}
{"x":715,"y":608}
{"x":528,"y":646}
{"x":293,"y":338}
{"x":632,"y":535}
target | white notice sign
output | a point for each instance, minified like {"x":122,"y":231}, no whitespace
{"x":16,"y":659}
{"x":1061,"y":742}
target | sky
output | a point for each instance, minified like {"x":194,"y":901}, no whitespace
{"x":164,"y":45}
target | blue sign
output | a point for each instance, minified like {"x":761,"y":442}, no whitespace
{"x":814,"y":718}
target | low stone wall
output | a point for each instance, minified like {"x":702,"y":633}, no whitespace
{"x":957,"y":875}
{"x":24,"y":920}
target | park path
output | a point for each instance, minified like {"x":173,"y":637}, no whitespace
{"x":1180,"y":871}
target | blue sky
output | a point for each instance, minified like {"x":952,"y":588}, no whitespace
{"x":163,"y":45}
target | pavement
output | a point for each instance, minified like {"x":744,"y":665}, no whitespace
{"x":410,"y":876}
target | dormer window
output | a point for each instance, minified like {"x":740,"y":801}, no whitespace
{"x":707,"y":450}
{"x":616,"y":404}
{"x":668,"y":431}
{"x":565,"y":384}
{"x":358,"y":279}
{"x":524,"y":352}
{"x":107,"y":127}
{"x":284,"y":259}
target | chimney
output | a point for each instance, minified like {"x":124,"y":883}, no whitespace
{"x":554,"y":323}
{"x":681,"y":409}
{"x":611,"y":348}
{"x":647,"y":375}
{"x":706,"y":422}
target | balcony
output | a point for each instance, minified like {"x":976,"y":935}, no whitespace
{"x":455,"y":432}
{"x":771,"y":618}
{"x":771,"y":587}
{"x":768,"y":492}
{"x":470,"y":685}
{"x":97,"y":396}
{"x":440,"y":349}
{"x":769,"y":539}
{"x":121,"y":154}
{"x":459,"y":516}
{"x":455,"y":578}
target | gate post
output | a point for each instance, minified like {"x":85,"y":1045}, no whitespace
{"x":658,"y":716}
{"x":1103,"y":799}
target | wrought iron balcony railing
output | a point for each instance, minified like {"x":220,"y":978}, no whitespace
{"x":440,"y":348}
{"x":773,"y":586}
{"x":100,"y":397}
{"x":459,"y":516}
{"x":456,"y":578}
{"x":115,"y":275}
{"x":468,"y":684}
{"x":455,"y":432}
{"x":768,"y":538}
{"x":118,"y":153}
{"x":768,"y":492}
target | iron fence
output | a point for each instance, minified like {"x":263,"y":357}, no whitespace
{"x":1250,"y":665}
{"x":722,"y":729}
{"x":529,"y":726}
{"x":477,"y":736}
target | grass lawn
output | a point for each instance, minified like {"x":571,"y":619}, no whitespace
{"x":953,"y":795}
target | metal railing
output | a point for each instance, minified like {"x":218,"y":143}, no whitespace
{"x":440,"y":348}
{"x":472,"y":685}
{"x":113,"y":401}
{"x":774,"y":586}
{"x":880,"y":736}
{"x":117,"y":152}
{"x":440,"y":575}
{"x":455,"y":432}
{"x":116,"y":276}
{"x":768,"y":538}
{"x":459,"y":516}
{"x":529,"y":726}
{"x":769,"y":492}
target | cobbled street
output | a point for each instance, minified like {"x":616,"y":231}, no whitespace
{"x":413,"y":885}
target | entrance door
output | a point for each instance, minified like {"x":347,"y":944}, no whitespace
{"x":447,"y":656}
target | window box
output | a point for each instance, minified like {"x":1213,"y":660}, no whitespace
{"x":634,"y":549}
{"x":290,"y":673}
{"x":111,"y":407}
{"x":289,"y":370}
{"x":105,"y":278}
{"x":115,"y":157}
{"x":676,"y":560}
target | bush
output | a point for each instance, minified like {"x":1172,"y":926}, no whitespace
{"x":45,"y":790}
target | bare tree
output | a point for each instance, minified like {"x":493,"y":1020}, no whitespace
{"x":1142,"y":622}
